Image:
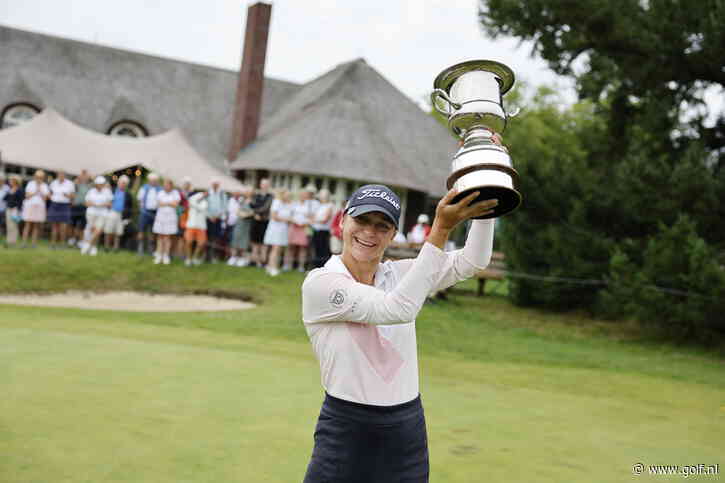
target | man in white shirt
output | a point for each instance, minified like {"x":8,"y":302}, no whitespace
{"x":360,"y":316}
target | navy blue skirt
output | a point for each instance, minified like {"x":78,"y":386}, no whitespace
{"x":359,"y":443}
{"x":59,"y":212}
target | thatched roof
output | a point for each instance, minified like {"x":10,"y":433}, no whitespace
{"x":352,"y":123}
{"x":348,"y":123}
{"x":95,"y":86}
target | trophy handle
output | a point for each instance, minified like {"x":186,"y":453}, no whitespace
{"x":440,"y":93}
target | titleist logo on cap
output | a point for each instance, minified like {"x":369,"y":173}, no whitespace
{"x":376,"y":193}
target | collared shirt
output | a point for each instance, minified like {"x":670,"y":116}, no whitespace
{"x":119,"y":199}
{"x":303,"y":211}
{"x":147,"y":197}
{"x":98,"y":201}
{"x":37,"y":192}
{"x":61,"y":190}
{"x":364,"y":336}
{"x":323,"y":216}
{"x":217,"y":204}
{"x":81,"y":190}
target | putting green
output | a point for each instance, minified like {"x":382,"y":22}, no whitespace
{"x":96,"y":401}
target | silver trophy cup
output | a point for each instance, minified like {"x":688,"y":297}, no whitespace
{"x":470,"y":94}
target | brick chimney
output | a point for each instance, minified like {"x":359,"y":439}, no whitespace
{"x":248,"y":106}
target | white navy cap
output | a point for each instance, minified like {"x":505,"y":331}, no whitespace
{"x":374,"y":197}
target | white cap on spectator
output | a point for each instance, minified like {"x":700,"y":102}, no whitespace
{"x":99,"y":180}
{"x":124,"y":178}
{"x":423,"y":218}
{"x":186,"y":179}
{"x":153,"y":176}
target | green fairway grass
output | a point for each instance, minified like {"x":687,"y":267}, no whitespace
{"x":511,"y":395}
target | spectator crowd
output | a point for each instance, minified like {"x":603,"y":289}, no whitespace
{"x":276,"y":230}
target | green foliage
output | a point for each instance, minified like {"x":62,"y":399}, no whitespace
{"x":679,"y":284}
{"x":653,"y":59}
{"x":556,"y":231}
{"x":608,"y":182}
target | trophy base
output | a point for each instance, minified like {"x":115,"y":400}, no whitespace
{"x":508,"y":199}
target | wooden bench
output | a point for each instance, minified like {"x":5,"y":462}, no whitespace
{"x":496,"y":270}
{"x":400,"y":252}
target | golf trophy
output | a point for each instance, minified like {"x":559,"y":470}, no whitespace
{"x":470,"y":94}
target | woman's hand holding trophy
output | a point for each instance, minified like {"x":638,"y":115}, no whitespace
{"x":470,"y":94}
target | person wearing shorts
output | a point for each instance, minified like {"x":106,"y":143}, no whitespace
{"x":118,"y":215}
{"x":196,"y":228}
{"x":78,"y":209}
{"x":62,"y":191}
{"x":359,"y":314}
{"x":34,"y":213}
{"x":98,"y":201}
{"x":148,"y":204}
{"x":303,"y":211}
{"x":277,"y":235}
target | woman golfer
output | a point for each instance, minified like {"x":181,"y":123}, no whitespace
{"x":360,"y":316}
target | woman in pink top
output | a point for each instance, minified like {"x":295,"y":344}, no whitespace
{"x":360,"y":316}
{"x":36,"y":194}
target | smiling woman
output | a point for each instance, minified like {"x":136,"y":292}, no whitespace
{"x":360,"y":316}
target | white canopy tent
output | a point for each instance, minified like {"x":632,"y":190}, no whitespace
{"x":51,"y":142}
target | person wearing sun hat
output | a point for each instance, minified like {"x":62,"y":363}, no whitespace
{"x":98,"y":201}
{"x":147,"y":207}
{"x":359,"y":314}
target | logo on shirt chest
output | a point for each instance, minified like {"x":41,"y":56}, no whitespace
{"x":337,"y":297}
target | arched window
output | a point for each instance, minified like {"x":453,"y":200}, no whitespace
{"x":128,"y":128}
{"x":17,"y":113}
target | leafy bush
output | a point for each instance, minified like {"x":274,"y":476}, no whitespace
{"x":680,"y":285}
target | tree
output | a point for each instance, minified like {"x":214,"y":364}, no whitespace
{"x":629,"y":179}
{"x":651,"y":59}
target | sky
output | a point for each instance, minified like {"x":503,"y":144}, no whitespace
{"x":408,"y":41}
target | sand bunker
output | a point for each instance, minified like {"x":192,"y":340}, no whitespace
{"x":128,"y":301}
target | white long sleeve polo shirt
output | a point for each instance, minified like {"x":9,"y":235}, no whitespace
{"x":364,"y":335}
